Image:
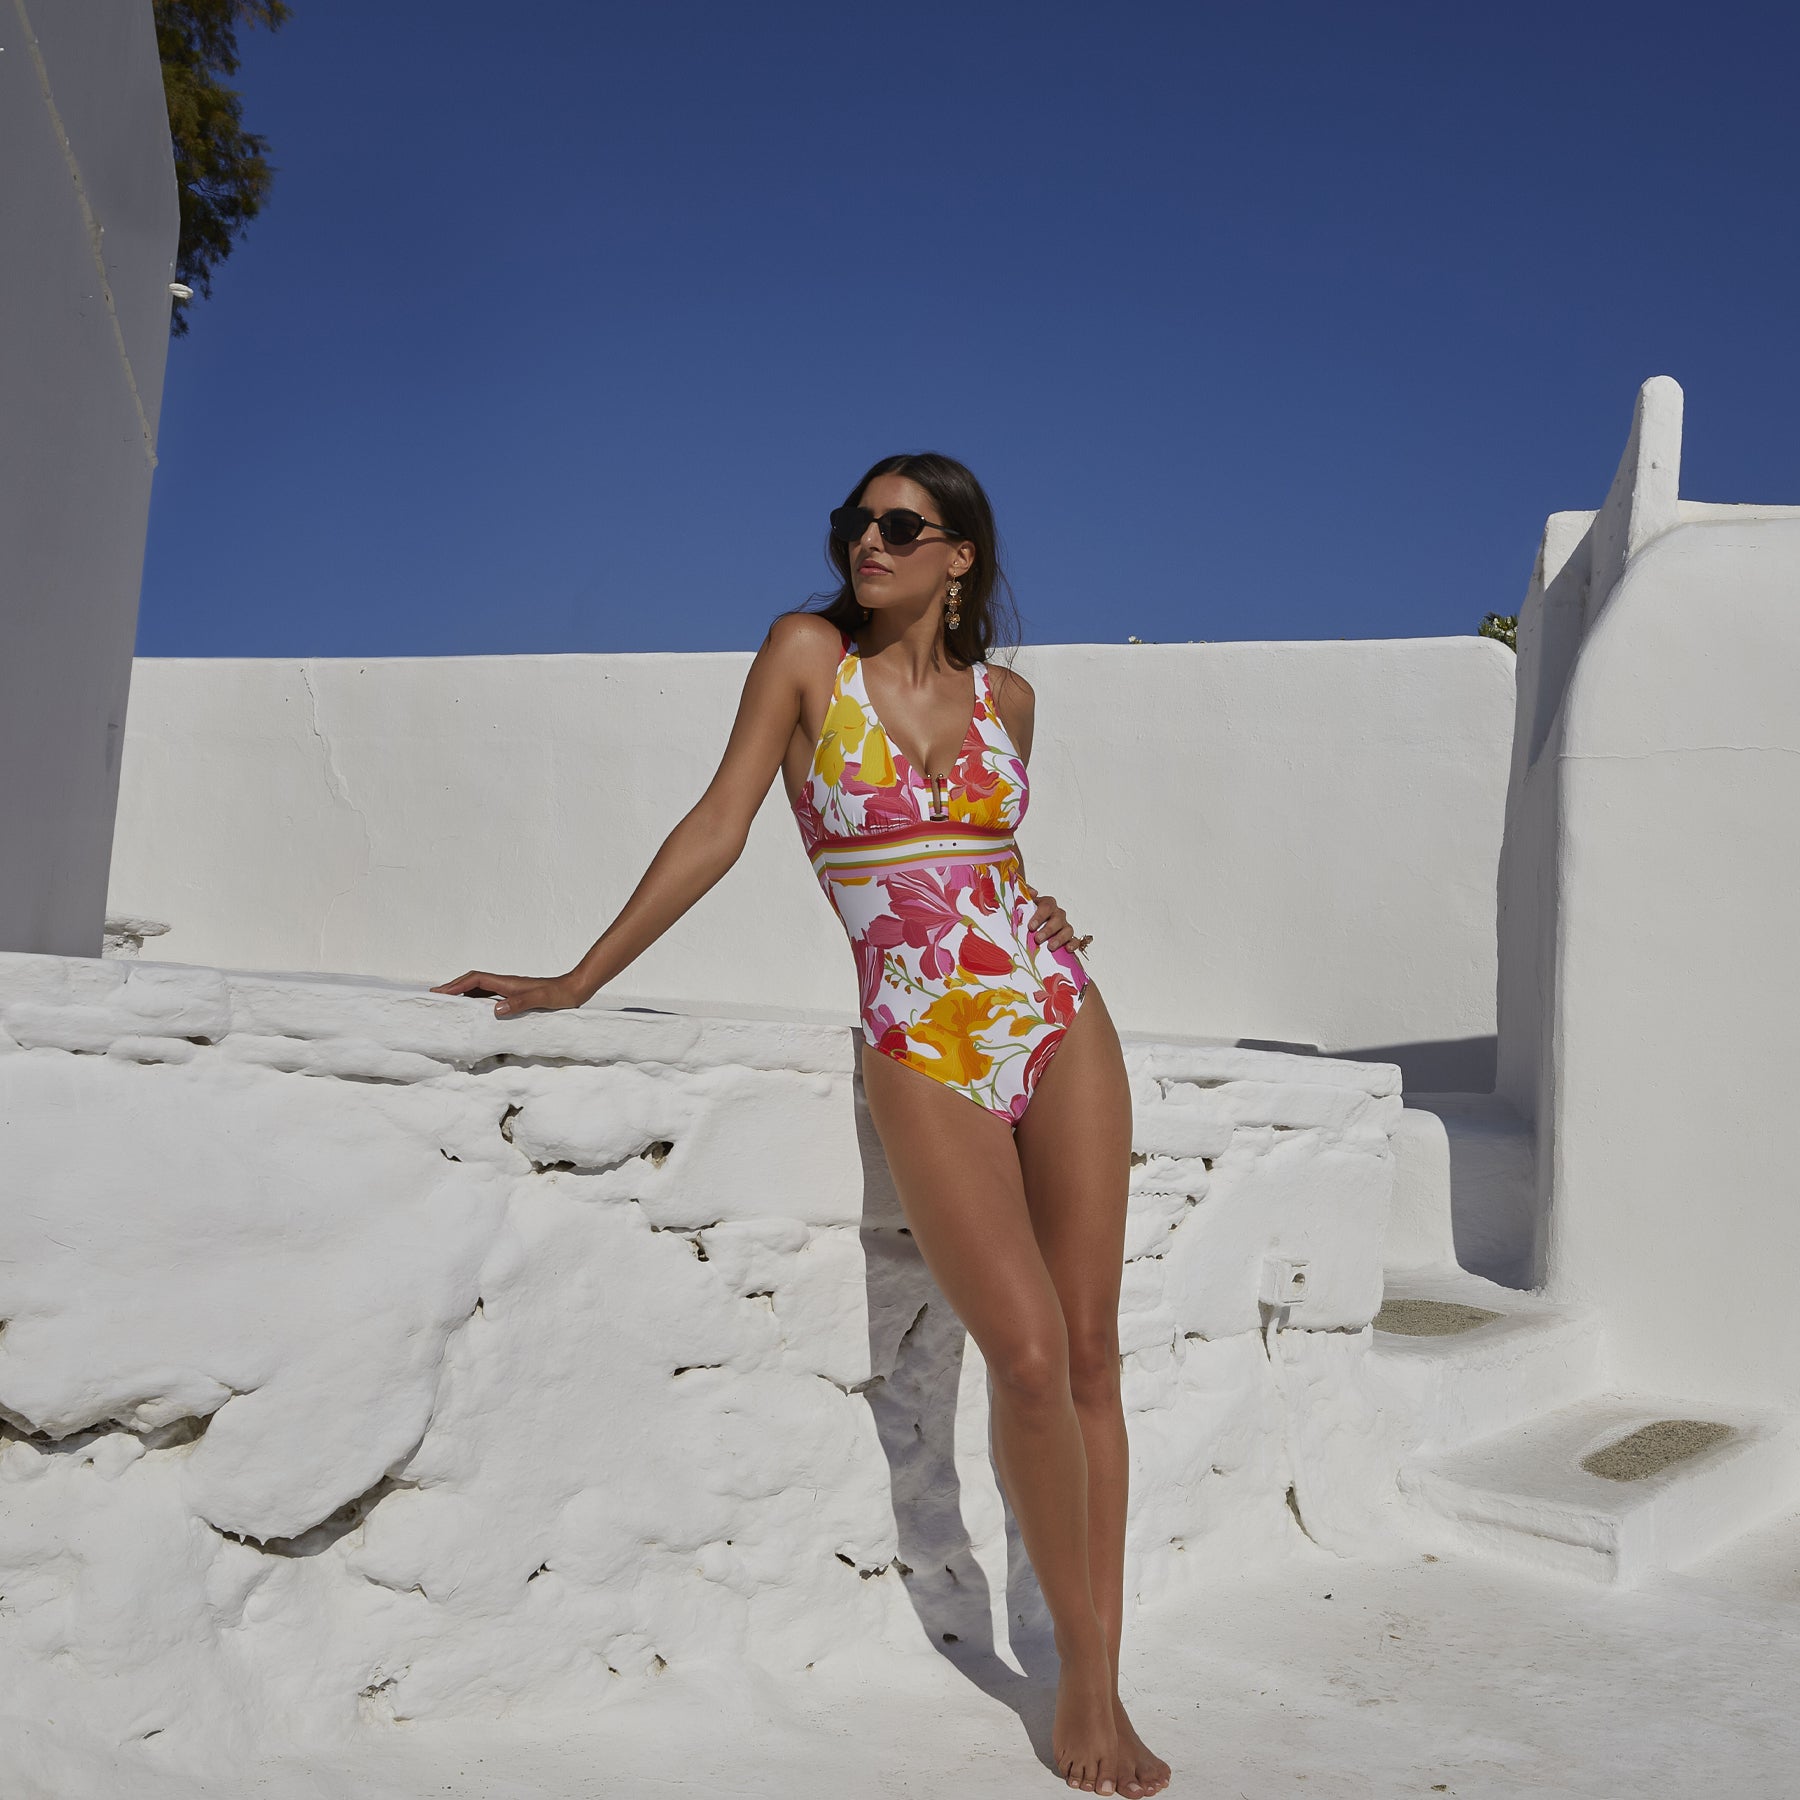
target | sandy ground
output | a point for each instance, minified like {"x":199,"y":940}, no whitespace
{"x":1312,"y":1677}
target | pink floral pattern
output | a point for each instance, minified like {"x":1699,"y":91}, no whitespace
{"x":951,"y":980}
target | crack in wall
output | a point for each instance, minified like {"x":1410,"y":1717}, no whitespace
{"x":188,"y":1429}
{"x":94,"y":230}
{"x":1672,"y":750}
{"x":335,"y":1525}
{"x":339,"y":790}
{"x":656,"y":1153}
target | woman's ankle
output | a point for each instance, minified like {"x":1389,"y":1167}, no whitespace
{"x":1086,"y":1651}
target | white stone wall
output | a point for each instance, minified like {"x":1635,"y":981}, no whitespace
{"x":367,"y":1355}
{"x":1649,"y":975}
{"x":1291,"y":842}
{"x":1674,"y":1209}
{"x":87,"y":249}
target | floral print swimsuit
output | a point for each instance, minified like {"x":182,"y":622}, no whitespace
{"x":925,"y":875}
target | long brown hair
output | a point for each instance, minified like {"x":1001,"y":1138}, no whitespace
{"x":989,"y":615}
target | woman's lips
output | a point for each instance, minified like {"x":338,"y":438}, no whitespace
{"x":873,"y":568}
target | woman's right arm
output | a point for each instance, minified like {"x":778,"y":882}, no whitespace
{"x":706,"y":842}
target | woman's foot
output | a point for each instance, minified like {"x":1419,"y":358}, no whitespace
{"x":1084,"y":1740}
{"x":1141,"y":1771}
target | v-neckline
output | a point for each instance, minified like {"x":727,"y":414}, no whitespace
{"x":926,"y":778}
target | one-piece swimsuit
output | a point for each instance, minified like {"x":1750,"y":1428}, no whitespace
{"x":927,"y":878}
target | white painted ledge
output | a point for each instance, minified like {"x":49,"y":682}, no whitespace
{"x":384,"y":1359}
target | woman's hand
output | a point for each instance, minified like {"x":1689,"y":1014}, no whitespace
{"x":513,"y":994}
{"x":1052,"y":926}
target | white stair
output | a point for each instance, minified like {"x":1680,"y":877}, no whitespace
{"x":1530,"y":1359}
{"x":1523,"y":1493}
{"x":1496,"y":1415}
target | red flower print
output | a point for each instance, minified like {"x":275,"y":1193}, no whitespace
{"x":885,"y":931}
{"x":983,"y":895}
{"x":890,"y":1034}
{"x":973,"y":775}
{"x":812,"y":824}
{"x":1039,"y":1060}
{"x":980,"y":957}
{"x":868,"y":952}
{"x":884,"y":807}
{"x":1058,"y":999}
{"x":926,"y":910}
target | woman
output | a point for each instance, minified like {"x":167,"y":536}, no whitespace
{"x":971,"y":991}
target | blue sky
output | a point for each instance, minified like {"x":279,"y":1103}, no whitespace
{"x":567,"y":323}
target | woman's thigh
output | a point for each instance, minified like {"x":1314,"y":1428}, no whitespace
{"x":957,"y":1172}
{"x":1074,"y":1151}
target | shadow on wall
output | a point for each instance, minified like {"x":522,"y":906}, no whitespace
{"x":916,"y":1337}
{"x":1430,"y":1066}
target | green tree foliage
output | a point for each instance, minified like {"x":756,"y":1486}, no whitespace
{"x":1504,"y":626}
{"x":221,"y":169}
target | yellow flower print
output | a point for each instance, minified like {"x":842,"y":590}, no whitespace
{"x":844,"y":728}
{"x":986,"y":810}
{"x":949,"y":1026}
{"x":877,"y":759}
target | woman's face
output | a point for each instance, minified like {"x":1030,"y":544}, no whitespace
{"x":908,"y":576}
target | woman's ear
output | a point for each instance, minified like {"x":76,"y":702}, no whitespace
{"x":963,"y":560}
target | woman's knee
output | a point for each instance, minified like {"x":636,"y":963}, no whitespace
{"x":1031,"y":1367}
{"x":1094,"y":1365}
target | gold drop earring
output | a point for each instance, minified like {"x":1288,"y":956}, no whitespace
{"x":953,"y":603}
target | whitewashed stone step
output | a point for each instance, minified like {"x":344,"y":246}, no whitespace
{"x":1531,"y":1358}
{"x":1524,"y":1493}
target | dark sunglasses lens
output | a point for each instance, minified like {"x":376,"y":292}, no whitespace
{"x":900,"y":526}
{"x":848,"y":523}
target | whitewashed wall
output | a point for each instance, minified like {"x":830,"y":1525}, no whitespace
{"x":1677,"y":1206}
{"x":1650,"y":971}
{"x":1294,"y":842}
{"x":87,"y":249}
{"x":365,"y":1356}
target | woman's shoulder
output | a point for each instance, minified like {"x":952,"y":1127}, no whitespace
{"x":803,"y":640}
{"x":1014,"y":700}
{"x":1010,"y":687}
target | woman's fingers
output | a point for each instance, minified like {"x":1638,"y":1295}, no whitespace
{"x":1051,"y":924}
{"x":513,"y":994}
{"x":481,"y":984}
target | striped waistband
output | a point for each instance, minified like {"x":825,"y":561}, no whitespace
{"x":879,"y":851}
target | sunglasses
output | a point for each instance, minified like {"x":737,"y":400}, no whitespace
{"x":897,"y":526}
